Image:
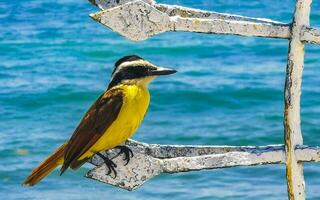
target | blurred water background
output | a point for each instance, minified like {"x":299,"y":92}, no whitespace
{"x":55,"y":61}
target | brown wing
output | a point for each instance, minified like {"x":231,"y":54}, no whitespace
{"x":92,"y":126}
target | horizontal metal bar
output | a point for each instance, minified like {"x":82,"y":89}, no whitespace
{"x":175,"y":10}
{"x":232,"y":27}
{"x":310,"y":35}
{"x":173,"y":151}
{"x":233,"y":159}
{"x":140,"y":19}
{"x":150,"y":160}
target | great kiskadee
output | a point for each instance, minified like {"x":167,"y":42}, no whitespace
{"x":110,"y":121}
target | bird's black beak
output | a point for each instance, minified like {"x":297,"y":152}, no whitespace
{"x":162,"y":71}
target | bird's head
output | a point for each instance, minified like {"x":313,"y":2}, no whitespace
{"x":135,"y":70}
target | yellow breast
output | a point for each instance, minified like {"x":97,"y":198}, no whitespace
{"x":135,"y":104}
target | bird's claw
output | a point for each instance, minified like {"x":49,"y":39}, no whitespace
{"x":110,"y":164}
{"x":128,"y":154}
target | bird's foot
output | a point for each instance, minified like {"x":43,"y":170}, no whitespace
{"x":109,"y":163}
{"x":128,"y":154}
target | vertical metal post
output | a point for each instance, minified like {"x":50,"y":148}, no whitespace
{"x":293,"y":136}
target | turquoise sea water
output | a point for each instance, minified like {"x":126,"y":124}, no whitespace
{"x":55,"y":61}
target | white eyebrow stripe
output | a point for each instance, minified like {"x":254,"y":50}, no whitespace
{"x":134,"y":63}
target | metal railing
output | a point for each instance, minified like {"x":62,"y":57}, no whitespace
{"x":140,"y":19}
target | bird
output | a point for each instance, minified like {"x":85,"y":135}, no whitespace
{"x":112,"y":119}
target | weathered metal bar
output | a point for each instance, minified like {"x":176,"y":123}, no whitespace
{"x":232,"y":27}
{"x":152,"y":159}
{"x":172,"y":151}
{"x":307,"y":154}
{"x":138,"y":20}
{"x":293,"y":136}
{"x":119,"y":16}
{"x":174,"y":10}
{"x":232,"y":159}
{"x":311,"y":35}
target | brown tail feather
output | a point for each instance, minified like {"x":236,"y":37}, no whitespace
{"x":45,"y":167}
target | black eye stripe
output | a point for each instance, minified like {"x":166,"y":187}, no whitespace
{"x":130,"y":72}
{"x":137,"y":69}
